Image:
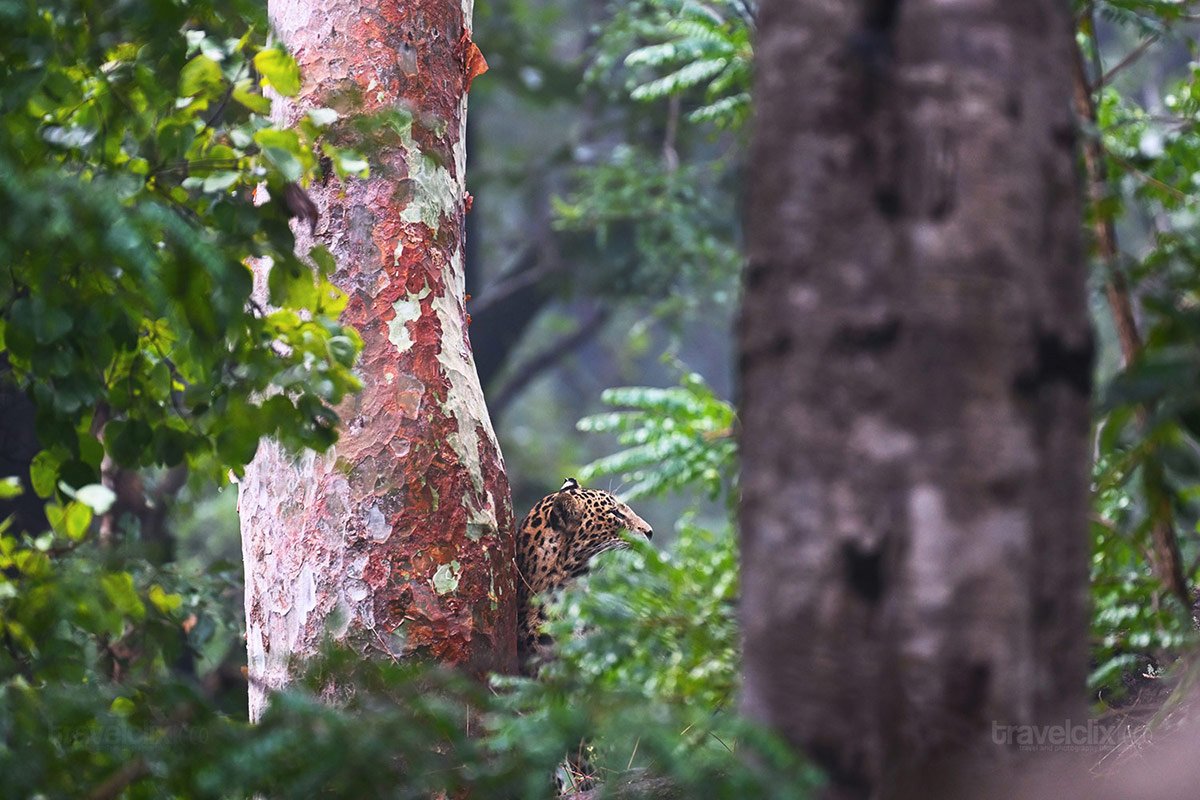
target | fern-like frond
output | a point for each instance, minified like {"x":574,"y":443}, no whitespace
{"x":686,"y":77}
{"x":672,"y":438}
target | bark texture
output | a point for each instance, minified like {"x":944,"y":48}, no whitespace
{"x":399,"y":539}
{"x":915,"y":357}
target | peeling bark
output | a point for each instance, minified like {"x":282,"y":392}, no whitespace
{"x":398,"y":540}
{"x":915,"y":356}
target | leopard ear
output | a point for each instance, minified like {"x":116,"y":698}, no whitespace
{"x":569,"y":483}
{"x":566,"y":511}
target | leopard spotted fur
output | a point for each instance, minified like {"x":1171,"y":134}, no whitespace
{"x":555,"y":544}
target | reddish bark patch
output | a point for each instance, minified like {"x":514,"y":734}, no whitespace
{"x":474,"y":64}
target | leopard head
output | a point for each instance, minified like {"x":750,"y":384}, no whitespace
{"x":591,"y":522}
{"x":557,"y":539}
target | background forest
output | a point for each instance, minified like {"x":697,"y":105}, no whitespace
{"x":607,"y":157}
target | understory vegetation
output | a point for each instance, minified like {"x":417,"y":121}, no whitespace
{"x":126,"y":216}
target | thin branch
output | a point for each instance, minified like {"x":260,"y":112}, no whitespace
{"x":669,"y":150}
{"x":1184,"y":123}
{"x":516,"y":278}
{"x":633,"y":755}
{"x":220,"y":109}
{"x":539,"y":362}
{"x":1103,"y":228}
{"x":1153,"y":181}
{"x":1133,"y":56}
{"x":132,"y":772}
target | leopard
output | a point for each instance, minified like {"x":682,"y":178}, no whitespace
{"x":556,"y":542}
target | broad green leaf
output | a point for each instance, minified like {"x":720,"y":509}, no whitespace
{"x":118,"y":587}
{"x":164,"y":602}
{"x":76,"y":520}
{"x":346,"y":163}
{"x":10,"y":487}
{"x":122,"y":706}
{"x":220,"y":181}
{"x":127,"y":440}
{"x":285,"y":151}
{"x":43,"y":473}
{"x":252,"y":100}
{"x":326,"y":263}
{"x":199,"y":75}
{"x":279,"y":69}
{"x":323,"y":117}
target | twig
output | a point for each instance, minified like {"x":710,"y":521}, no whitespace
{"x":120,"y":780}
{"x":1133,"y":56}
{"x":542,"y":360}
{"x":722,"y":741}
{"x":670,"y":153}
{"x":1166,"y":187}
{"x":515,"y":279}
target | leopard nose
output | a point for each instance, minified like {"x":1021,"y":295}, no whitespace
{"x":649,"y":532}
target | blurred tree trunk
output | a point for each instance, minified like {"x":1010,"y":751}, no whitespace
{"x":915,"y":357}
{"x":398,"y":540}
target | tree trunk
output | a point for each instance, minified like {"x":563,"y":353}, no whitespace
{"x":398,"y":540}
{"x":915,"y":357}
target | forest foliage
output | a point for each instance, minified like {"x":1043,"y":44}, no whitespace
{"x":128,"y":217}
{"x":132,"y":143}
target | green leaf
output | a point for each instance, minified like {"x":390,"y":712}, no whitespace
{"x":290,"y":287}
{"x":326,"y":263}
{"x":76,"y":520}
{"x":285,"y":151}
{"x":252,"y":100}
{"x":10,"y":487}
{"x":43,"y":473}
{"x":279,"y":69}
{"x":122,"y":707}
{"x":127,"y":440}
{"x":118,"y":586}
{"x":170,"y":446}
{"x":164,"y":602}
{"x":220,"y":181}
{"x":49,"y":323}
{"x":323,"y":117}
{"x":199,"y":75}
{"x":18,"y":633}
{"x":91,"y":450}
{"x":347,"y":163}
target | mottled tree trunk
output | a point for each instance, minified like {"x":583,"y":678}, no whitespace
{"x":915,"y":357}
{"x":399,"y":539}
